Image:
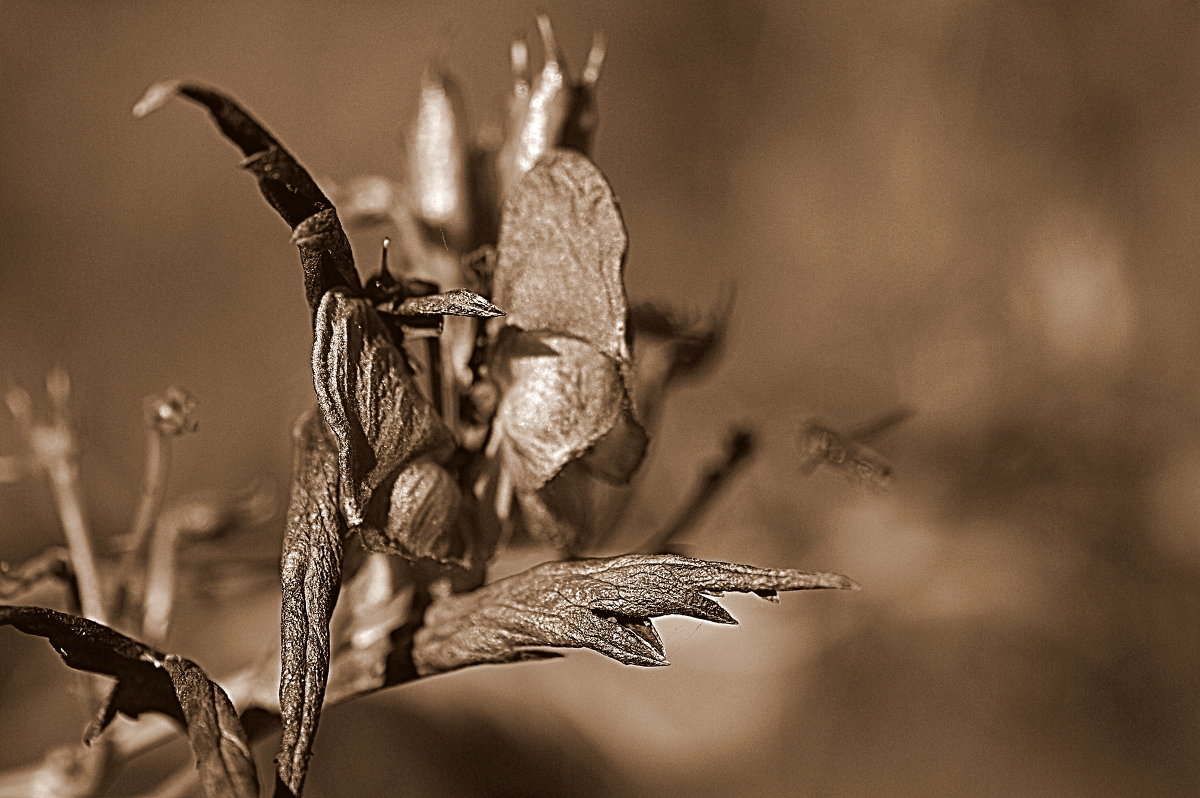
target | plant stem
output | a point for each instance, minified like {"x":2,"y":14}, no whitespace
{"x":64,"y":480}
{"x":159,"y":593}
{"x":53,"y":448}
{"x":154,"y":489}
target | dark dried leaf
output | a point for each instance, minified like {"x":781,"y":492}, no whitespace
{"x":369,"y":400}
{"x":311,"y":571}
{"x":459,"y":302}
{"x":602,"y":604}
{"x":561,"y":255}
{"x":150,"y":681}
{"x":560,"y":399}
{"x":324,"y":249}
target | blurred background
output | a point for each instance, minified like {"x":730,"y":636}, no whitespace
{"x":982,"y":211}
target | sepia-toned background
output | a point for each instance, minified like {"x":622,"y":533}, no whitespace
{"x":986,"y":212}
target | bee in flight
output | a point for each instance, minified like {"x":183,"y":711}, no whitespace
{"x":849,"y":453}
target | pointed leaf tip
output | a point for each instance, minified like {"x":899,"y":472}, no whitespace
{"x":459,"y":302}
{"x":155,"y":97}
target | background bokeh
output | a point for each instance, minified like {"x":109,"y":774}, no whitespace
{"x":984,"y":211}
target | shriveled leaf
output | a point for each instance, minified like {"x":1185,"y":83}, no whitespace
{"x":602,"y":604}
{"x":438,"y":176}
{"x":324,"y":249}
{"x":151,"y":681}
{"x":311,"y":571}
{"x":560,"y":398}
{"x":368,"y":398}
{"x":426,"y":518}
{"x":562,"y":254}
{"x":459,"y":302}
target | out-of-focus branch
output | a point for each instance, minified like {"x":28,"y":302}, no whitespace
{"x":167,"y":415}
{"x":52,"y":447}
{"x":53,"y":565}
{"x":738,"y":447}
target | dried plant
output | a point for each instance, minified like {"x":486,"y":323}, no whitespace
{"x":481,"y":391}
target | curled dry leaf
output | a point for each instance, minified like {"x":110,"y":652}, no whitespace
{"x":562,"y":357}
{"x":602,"y":604}
{"x":311,"y":572}
{"x":559,"y":398}
{"x":151,"y":681}
{"x":561,"y":255}
{"x":324,"y":249}
{"x":426,"y":518}
{"x":368,"y":398}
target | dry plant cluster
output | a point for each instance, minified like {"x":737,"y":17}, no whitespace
{"x":490,"y":386}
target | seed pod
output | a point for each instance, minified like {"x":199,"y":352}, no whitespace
{"x":438,"y":162}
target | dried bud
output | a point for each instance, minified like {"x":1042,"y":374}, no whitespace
{"x":172,"y":412}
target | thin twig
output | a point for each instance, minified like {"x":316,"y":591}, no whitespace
{"x":158,"y":597}
{"x":53,"y":449}
{"x":167,"y":415}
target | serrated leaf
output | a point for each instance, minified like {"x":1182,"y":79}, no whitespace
{"x":602,"y":604}
{"x":151,"y":681}
{"x":311,"y":570}
{"x":561,"y":255}
{"x":560,"y":398}
{"x":324,"y":249}
{"x":368,"y":398}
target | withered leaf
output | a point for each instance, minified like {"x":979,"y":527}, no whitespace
{"x":426,"y":518}
{"x":459,"y":302}
{"x":369,"y":400}
{"x":151,"y":681}
{"x":602,"y":604}
{"x":311,"y":571}
{"x":324,"y":249}
{"x":561,"y":255}
{"x":560,"y":399}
